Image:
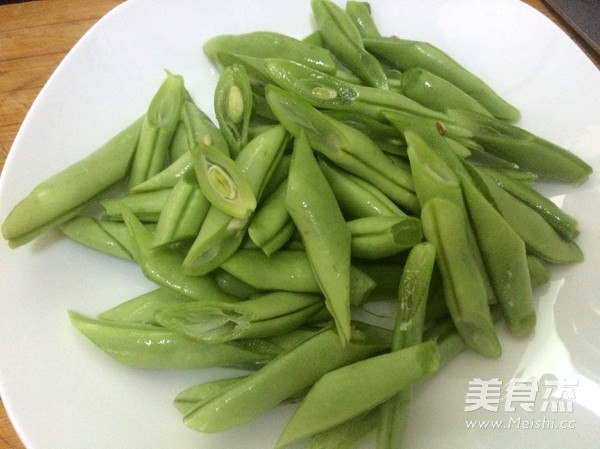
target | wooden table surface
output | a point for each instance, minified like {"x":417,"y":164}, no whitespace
{"x":34,"y":38}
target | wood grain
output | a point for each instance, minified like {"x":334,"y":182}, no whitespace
{"x":35,"y":36}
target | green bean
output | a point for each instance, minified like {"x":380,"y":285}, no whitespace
{"x":341,"y":36}
{"x":183,"y":212}
{"x":436,"y":305}
{"x":107,"y":236}
{"x":262,"y":316}
{"x":200,"y":128}
{"x":373,"y":102}
{"x":322,"y":90}
{"x":282,"y":270}
{"x":386,"y":275}
{"x":435,"y":176}
{"x":360,"y":14}
{"x":272,"y":226}
{"x":404,"y":121}
{"x":290,"y":373}
{"x":345,"y":435}
{"x":321,"y":224}
{"x":232,"y":285}
{"x":565,"y":224}
{"x":168,"y":177}
{"x":378,"y":237}
{"x":219,"y":237}
{"x":148,"y":346}
{"x":445,"y":225}
{"x":289,"y":270}
{"x":403,"y":176}
{"x":506,"y":263}
{"x":63,"y":195}
{"x":314,"y":38}
{"x":540,"y":238}
{"x":222,"y":182}
{"x":266,"y":44}
{"x":319,"y":89}
{"x":179,"y":143}
{"x":524,"y":177}
{"x":198,"y":394}
{"x":344,"y":145}
{"x":385,"y":136}
{"x":221,"y":234}
{"x":158,"y":130}
{"x":143,"y":308}
{"x":537,"y":271}
{"x":528,"y":151}
{"x":233,"y":106}
{"x":357,"y":198}
{"x":147,"y":206}
{"x":162,"y":265}
{"x":413,"y":293}
{"x":437,"y":93}
{"x":406,"y":54}
{"x":280,"y":174}
{"x":348,"y":391}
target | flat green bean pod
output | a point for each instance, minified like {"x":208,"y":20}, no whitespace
{"x":222,"y":181}
{"x":437,"y":93}
{"x":506,"y":263}
{"x":354,"y":389}
{"x":345,"y":435}
{"x":540,"y":237}
{"x":148,"y":346}
{"x":233,"y":285}
{"x":289,"y":270}
{"x":142,"y":308}
{"x":183,"y":213}
{"x":435,"y":174}
{"x":147,"y":206}
{"x":64,"y":194}
{"x":200,"y":128}
{"x":107,"y":236}
{"x":318,"y":88}
{"x":162,"y":265}
{"x":323,"y":230}
{"x":266,"y":44}
{"x":271,"y":227}
{"x":265,"y":315}
{"x":168,"y":177}
{"x":413,"y":294}
{"x":343,"y":145}
{"x":221,"y":234}
{"x":157,"y":131}
{"x":233,"y":106}
{"x":179,"y":143}
{"x":565,"y":224}
{"x":360,"y":14}
{"x":344,"y":40}
{"x":445,"y":225}
{"x":270,"y":386}
{"x":198,"y":394}
{"x":537,"y":271}
{"x":379,"y":237}
{"x":528,"y":151}
{"x":406,"y":54}
{"x":357,"y":198}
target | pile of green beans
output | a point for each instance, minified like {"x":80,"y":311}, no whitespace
{"x":342,"y":168}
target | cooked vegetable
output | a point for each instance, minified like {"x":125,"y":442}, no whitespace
{"x":345,"y":167}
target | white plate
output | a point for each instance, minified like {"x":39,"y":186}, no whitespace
{"x":61,"y":392}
